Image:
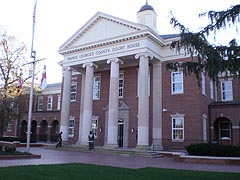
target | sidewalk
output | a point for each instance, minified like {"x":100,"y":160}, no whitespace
{"x":52,"y":156}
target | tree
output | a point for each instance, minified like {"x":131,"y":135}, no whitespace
{"x":15,"y":70}
{"x":211,"y":59}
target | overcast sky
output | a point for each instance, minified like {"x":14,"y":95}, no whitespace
{"x":57,"y":20}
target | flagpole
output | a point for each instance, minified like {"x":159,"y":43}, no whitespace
{"x":33,"y":55}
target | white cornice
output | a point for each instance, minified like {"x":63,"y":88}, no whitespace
{"x":131,"y":36}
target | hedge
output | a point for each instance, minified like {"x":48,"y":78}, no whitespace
{"x":207,"y":149}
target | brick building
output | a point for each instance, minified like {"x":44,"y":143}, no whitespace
{"x":115,"y":83}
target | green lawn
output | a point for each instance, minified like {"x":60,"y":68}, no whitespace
{"x":81,"y":171}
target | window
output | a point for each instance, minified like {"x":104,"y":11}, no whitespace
{"x":177,"y":128}
{"x":226,"y":90}
{"x":224,"y":129}
{"x":49,"y":102}
{"x":71,"y":126}
{"x":96,"y":87}
{"x":95,"y":125}
{"x":59,"y":102}
{"x":211,"y":89}
{"x":73,"y":92}
{"x":121,"y":85}
{"x":177,"y":82}
{"x":204,"y":119}
{"x":40,"y":103}
{"x":10,"y":125}
{"x":203,"y":83}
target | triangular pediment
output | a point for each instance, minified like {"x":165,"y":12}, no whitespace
{"x":101,"y":27}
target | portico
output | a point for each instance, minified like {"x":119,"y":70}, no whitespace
{"x":125,"y":45}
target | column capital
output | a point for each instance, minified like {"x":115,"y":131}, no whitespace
{"x":90,"y":64}
{"x":146,"y":55}
{"x":116,"y":60}
{"x":68,"y":69}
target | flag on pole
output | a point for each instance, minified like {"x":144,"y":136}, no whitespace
{"x":44,"y":78}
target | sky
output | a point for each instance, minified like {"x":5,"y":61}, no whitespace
{"x":57,"y":20}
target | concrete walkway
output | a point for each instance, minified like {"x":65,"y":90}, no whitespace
{"x":56,"y":156}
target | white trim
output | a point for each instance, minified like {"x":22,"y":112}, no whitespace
{"x":181,"y":91}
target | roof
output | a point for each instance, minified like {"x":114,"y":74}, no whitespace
{"x":54,"y":85}
{"x":146,"y":7}
{"x":169,"y":36}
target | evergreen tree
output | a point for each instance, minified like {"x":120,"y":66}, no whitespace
{"x":211,"y":59}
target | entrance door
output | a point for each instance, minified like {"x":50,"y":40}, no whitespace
{"x":120,"y":132}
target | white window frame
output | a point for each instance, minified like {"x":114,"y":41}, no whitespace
{"x":121,"y":85}
{"x":204,"y":121}
{"x":10,"y":125}
{"x":73,"y":92}
{"x":96,"y":87}
{"x":49,"y":103}
{"x":95,"y":125}
{"x":221,"y":130}
{"x":40,"y":103}
{"x":180,"y":130}
{"x":59,"y":102}
{"x":203,"y":83}
{"x":174,"y":82}
{"x":71,"y":125}
{"x":211,"y":89}
{"x":226,"y":94}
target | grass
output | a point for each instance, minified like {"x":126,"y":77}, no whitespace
{"x":84,"y":172}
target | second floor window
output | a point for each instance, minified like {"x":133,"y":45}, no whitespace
{"x":177,"y":82}
{"x":40,"y":103}
{"x":49,"y":103}
{"x":211,"y":90}
{"x":73,"y":92}
{"x":96,"y":87}
{"x":203,"y":83}
{"x":121,"y":85}
{"x":226,"y":91}
{"x":59,"y":102}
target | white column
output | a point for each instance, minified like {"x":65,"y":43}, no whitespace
{"x":81,"y":107}
{"x":65,"y":109}
{"x":143,"y":100}
{"x":113,"y":103}
{"x":157,"y":106}
{"x":87,"y":103}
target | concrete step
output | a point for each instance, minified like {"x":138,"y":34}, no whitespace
{"x":124,"y":152}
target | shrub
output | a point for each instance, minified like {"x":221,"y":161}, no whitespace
{"x":10,"y":148}
{"x":206,"y":149}
{"x":10,"y":139}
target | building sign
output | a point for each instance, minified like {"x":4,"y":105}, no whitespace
{"x":105,"y":51}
